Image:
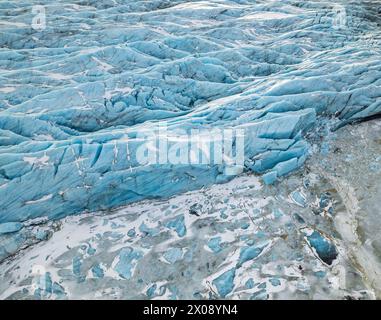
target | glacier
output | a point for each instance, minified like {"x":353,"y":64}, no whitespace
{"x":85,"y":84}
{"x":75,"y":95}
{"x":312,"y":235}
{"x":102,"y":72}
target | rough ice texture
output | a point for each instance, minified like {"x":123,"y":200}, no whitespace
{"x":74,"y":96}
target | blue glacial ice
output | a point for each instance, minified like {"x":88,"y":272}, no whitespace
{"x":313,"y":235}
{"x":75,"y":96}
{"x":323,"y":246}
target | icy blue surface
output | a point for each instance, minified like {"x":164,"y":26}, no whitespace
{"x":10,"y":227}
{"x":324,"y":247}
{"x":301,"y":238}
{"x":224,"y":283}
{"x":127,"y":261}
{"x":74,"y":96}
{"x":249,"y":253}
